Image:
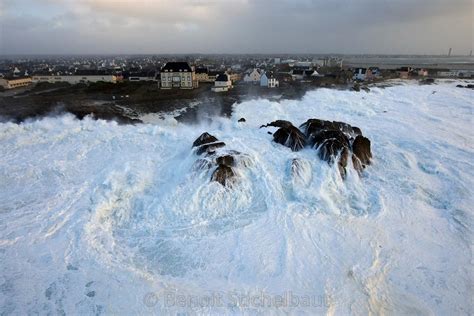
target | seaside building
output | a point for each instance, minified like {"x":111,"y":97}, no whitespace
{"x":15,"y":82}
{"x":178,"y":75}
{"x":253,"y":76}
{"x":297,"y":74}
{"x":359,"y":74}
{"x":366,"y":74}
{"x":202,"y":75}
{"x":273,"y":82}
{"x":269,"y":81}
{"x":404,"y":72}
{"x":83,"y":76}
{"x":142,"y":76}
{"x":222,"y":83}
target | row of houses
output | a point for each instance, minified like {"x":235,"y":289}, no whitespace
{"x":15,"y":82}
{"x":181,"y":75}
{"x":259,"y":76}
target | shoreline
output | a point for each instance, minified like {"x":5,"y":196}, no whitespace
{"x":145,"y":99}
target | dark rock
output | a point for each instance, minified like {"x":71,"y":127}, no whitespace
{"x":356,"y":87}
{"x":313,"y":126}
{"x":361,"y":152}
{"x":290,"y":137}
{"x":459,"y":86}
{"x":470,"y":86}
{"x":241,"y":119}
{"x":209,"y":148}
{"x":226,"y":160}
{"x":91,"y":294}
{"x":333,"y":145}
{"x":278,"y":123}
{"x":287,"y":135}
{"x":270,"y":133}
{"x":356,"y":130}
{"x":224,"y":175}
{"x":205,"y":138}
{"x":366,"y":89}
{"x":317,"y":139}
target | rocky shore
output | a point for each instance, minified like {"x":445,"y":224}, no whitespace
{"x":127,"y":102}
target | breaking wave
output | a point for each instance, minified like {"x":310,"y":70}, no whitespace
{"x":95,"y":216}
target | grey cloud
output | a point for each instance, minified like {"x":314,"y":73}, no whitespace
{"x":263,"y":26}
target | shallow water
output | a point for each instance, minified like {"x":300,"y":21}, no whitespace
{"x":101,"y":218}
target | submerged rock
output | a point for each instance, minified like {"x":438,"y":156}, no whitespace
{"x":241,"y":120}
{"x":226,"y":160}
{"x":202,"y":164}
{"x":210,"y":148}
{"x":224,"y":175}
{"x":301,"y":171}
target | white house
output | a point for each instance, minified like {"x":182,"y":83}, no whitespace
{"x":359,"y":74}
{"x":253,"y":76}
{"x":222,"y":83}
{"x":273,"y":82}
{"x":268,"y":80}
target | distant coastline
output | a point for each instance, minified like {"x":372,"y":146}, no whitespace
{"x":145,"y":98}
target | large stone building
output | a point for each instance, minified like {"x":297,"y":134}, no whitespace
{"x":15,"y":82}
{"x":178,"y":75}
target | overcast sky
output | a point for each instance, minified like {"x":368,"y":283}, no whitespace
{"x":236,"y":26}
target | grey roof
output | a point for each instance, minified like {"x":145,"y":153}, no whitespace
{"x":222,"y":77}
{"x":176,"y":66}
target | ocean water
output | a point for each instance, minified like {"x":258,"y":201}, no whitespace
{"x":100,"y":218}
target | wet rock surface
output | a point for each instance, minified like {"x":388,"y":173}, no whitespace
{"x":361,"y":152}
{"x":288,"y":135}
{"x":335,"y":141}
{"x":209,"y":144}
{"x":224,"y":175}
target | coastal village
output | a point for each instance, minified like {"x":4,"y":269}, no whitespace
{"x":218,"y":73}
{"x":125,"y":88}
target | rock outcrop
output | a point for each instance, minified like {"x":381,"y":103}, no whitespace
{"x":361,"y":153}
{"x":224,"y":175}
{"x":335,"y":141}
{"x":204,"y":138}
{"x":224,"y":163}
{"x":288,"y":135}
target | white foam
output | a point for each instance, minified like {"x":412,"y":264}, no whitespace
{"x":93,"y":206}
